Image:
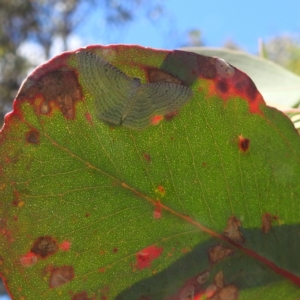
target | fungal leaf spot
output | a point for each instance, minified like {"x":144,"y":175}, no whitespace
{"x":219,"y":252}
{"x":81,"y":296}
{"x":170,"y":116}
{"x":61,"y":275}
{"x":146,"y":256}
{"x":219,"y":280}
{"x":229,"y":292}
{"x":28,"y":259}
{"x":157,"y":211}
{"x":155,"y":120}
{"x":160,"y":190}
{"x":203,"y":277}
{"x":187,"y":293}
{"x":88,"y":118}
{"x":267,"y":220}
{"x":65,"y":245}
{"x":33,"y":136}
{"x":60,"y":87}
{"x":157,"y":75}
{"x":244,"y":143}
{"x":147,"y":157}
{"x":232,"y":230}
{"x":44,"y":246}
{"x":124,"y":100}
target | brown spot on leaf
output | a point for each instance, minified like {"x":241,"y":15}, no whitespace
{"x":203,"y":277}
{"x":229,"y":292}
{"x":222,"y":86}
{"x":60,"y":87}
{"x":157,"y":75}
{"x":218,"y":253}
{"x":210,"y":291}
{"x":246,"y":85}
{"x":33,"y":136}
{"x":147,"y":157}
{"x":267,"y":220}
{"x":61,"y":275}
{"x":232,"y":230}
{"x":170,"y":116}
{"x":187,"y":293}
{"x":81,"y":296}
{"x":219,"y":280}
{"x":206,"y":67}
{"x":44,"y":246}
{"x":244,"y":143}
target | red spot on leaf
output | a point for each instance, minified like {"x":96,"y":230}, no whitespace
{"x":218,"y":253}
{"x":146,"y":256}
{"x":236,"y":83}
{"x":17,"y":202}
{"x":156,"y":119}
{"x":186,"y":250}
{"x":157,"y":211}
{"x":147,"y":157}
{"x":115,"y":250}
{"x":89,"y":118}
{"x":81,"y":296}
{"x":28,"y":259}
{"x":160,"y":190}
{"x":65,"y":245}
{"x":61,"y":275}
{"x":5,"y":231}
{"x":102,"y":270}
{"x":244,"y":143}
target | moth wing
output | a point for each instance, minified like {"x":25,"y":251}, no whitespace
{"x":109,"y":86}
{"x":155,"y":99}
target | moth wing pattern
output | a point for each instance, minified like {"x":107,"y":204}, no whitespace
{"x":123,"y":100}
{"x":155,"y":99}
{"x":109,"y":86}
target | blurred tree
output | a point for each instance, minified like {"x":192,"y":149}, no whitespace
{"x":17,"y":20}
{"x":231,"y":45}
{"x":284,"y":50}
{"x":193,"y":39}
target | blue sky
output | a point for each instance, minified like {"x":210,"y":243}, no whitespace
{"x":242,"y":21}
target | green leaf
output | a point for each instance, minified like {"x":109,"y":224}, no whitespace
{"x":193,"y":198}
{"x":279,"y":87}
